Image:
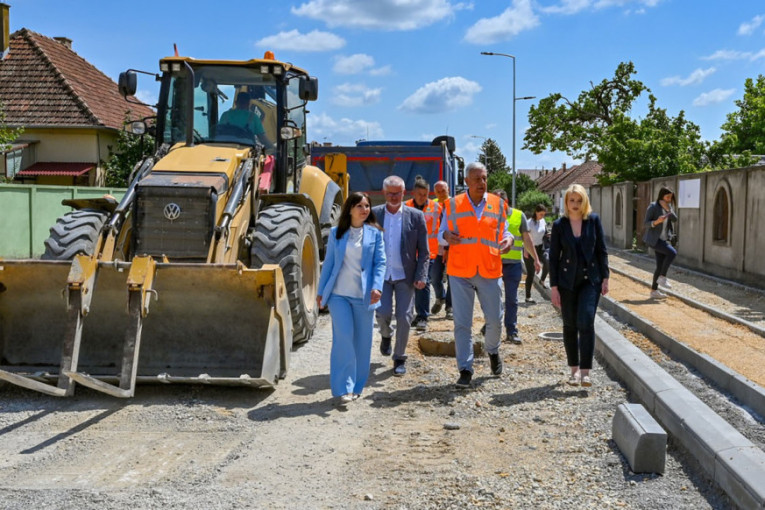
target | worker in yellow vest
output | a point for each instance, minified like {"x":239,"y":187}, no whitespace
{"x":443,"y":295}
{"x":432,"y":212}
{"x":475,"y":228}
{"x":512,"y":267}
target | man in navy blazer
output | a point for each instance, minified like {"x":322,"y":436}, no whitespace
{"x":407,"y":258}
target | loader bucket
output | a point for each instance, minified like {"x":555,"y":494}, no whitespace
{"x":216,"y":324}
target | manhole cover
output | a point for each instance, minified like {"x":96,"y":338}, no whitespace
{"x":551,"y":335}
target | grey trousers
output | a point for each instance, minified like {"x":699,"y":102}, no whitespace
{"x":404,"y":293}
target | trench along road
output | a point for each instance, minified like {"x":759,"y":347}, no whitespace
{"x":733,"y":345}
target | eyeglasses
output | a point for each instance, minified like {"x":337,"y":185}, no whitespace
{"x":394,"y":193}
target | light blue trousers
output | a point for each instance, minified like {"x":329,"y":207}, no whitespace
{"x":352,"y":323}
{"x":463,"y":292}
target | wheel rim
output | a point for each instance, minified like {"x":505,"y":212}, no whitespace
{"x":308,"y":269}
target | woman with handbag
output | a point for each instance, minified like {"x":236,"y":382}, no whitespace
{"x":659,"y":231}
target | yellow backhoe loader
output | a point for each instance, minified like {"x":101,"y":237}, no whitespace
{"x":207,"y":270}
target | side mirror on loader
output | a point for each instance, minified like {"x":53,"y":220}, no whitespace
{"x":128,"y":83}
{"x":309,"y":88}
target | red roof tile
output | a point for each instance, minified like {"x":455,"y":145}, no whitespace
{"x":43,"y":82}
{"x":75,"y":169}
{"x":584,"y":174}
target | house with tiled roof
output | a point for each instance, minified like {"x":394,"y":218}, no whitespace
{"x":71,"y":112}
{"x":554,"y":183}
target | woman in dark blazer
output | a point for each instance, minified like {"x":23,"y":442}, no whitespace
{"x":578,"y":276}
{"x":659,"y":230}
{"x":351,"y":284}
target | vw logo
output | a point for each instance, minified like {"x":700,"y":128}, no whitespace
{"x":172,"y":211}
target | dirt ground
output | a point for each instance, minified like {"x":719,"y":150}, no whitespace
{"x":733,"y":345}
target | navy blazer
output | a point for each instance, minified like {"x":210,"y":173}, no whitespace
{"x":563,"y":256}
{"x":414,"y":242}
{"x":652,"y":233}
{"x":372,"y":263}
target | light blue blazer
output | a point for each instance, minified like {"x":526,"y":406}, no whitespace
{"x":372,"y":263}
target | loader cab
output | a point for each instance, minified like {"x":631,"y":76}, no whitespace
{"x":257,"y":103}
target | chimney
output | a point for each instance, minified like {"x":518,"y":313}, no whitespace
{"x":65,"y":41}
{"x":563,"y":167}
{"x":4,"y":21}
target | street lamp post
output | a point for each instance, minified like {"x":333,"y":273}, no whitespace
{"x":491,"y":53}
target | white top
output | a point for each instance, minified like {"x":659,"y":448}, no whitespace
{"x":394,"y":268}
{"x":537,"y":229}
{"x":348,"y":281}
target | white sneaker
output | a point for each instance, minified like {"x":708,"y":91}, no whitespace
{"x":664,"y":282}
{"x":346,"y":399}
{"x":657,"y":294}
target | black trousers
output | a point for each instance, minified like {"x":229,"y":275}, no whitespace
{"x":529,"y":261}
{"x":578,"y":307}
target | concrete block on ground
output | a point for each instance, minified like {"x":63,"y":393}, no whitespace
{"x":740,"y":472}
{"x":436,"y":346}
{"x":640,"y":438}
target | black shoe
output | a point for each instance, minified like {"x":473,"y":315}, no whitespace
{"x":422,"y":325}
{"x":483,"y":330}
{"x":516,"y":339}
{"x":437,"y":306}
{"x":399,"y":367}
{"x":449,"y":314}
{"x":464,"y":380}
{"x":496,"y":364}
{"x":385,"y":349}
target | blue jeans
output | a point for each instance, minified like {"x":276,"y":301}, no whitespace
{"x":437,"y":269}
{"x":578,"y":308}
{"x":665,"y":254}
{"x":511,"y":276}
{"x":490,"y":296}
{"x":422,"y":301}
{"x":352,"y":324}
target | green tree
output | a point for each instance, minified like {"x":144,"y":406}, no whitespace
{"x":598,"y":125}
{"x":7,"y":135}
{"x":528,"y":200}
{"x":658,"y":145}
{"x":492,"y":158}
{"x":130,"y":149}
{"x":504,"y":180}
{"x":744,"y":131}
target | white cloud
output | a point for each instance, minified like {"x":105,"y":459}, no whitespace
{"x":748,"y":27}
{"x":567,"y":7}
{"x":728,"y":55}
{"x":379,"y":14}
{"x":696,"y":77}
{"x":355,"y":94}
{"x":504,"y":27}
{"x":295,"y":41}
{"x":756,"y":56}
{"x":381,"y":71}
{"x":353,"y":64}
{"x":602,"y":4}
{"x":444,"y":95}
{"x":713,"y":96}
{"x":322,"y":127}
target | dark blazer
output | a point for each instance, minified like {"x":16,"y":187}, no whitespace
{"x":372,"y":263}
{"x":652,"y":234}
{"x":414,"y":242}
{"x":563,"y":256}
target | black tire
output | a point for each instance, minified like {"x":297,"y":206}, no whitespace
{"x":334,"y":217}
{"x":74,"y":233}
{"x":285,"y":235}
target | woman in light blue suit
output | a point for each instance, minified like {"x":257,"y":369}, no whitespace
{"x":351,"y":284}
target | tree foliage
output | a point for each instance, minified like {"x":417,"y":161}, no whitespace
{"x":744,"y":131}
{"x":492,"y":158}
{"x":504,"y":180}
{"x":528,"y":200}
{"x":130,"y":149}
{"x":598,"y":126}
{"x":577,"y":127}
{"x":7,"y":135}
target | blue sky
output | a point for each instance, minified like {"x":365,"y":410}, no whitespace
{"x":412,"y":69}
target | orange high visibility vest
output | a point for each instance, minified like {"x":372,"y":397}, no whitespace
{"x":432,"y":212}
{"x":478,"y":253}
